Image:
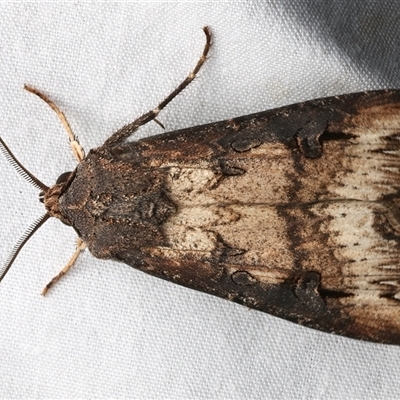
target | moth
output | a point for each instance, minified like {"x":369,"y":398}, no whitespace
{"x":292,"y":211}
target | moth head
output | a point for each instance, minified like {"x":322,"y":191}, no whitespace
{"x":48,"y":195}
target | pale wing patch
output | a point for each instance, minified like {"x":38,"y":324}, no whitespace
{"x":371,"y":163}
{"x":256,"y":229}
{"x":367,"y":259}
{"x":265,"y":179}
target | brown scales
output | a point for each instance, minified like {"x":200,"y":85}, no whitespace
{"x":292,"y":211}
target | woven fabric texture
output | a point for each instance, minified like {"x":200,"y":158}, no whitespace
{"x":107,"y":330}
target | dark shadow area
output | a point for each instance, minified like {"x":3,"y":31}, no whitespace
{"x":367,"y":32}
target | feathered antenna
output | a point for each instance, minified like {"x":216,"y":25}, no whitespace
{"x":38,"y":223}
{"x":20,"y":168}
{"x":21,"y":242}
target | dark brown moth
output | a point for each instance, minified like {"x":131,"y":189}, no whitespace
{"x":292,"y":211}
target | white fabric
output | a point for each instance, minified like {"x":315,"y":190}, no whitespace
{"x":107,"y":330}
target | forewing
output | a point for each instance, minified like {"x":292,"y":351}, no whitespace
{"x":292,"y":211}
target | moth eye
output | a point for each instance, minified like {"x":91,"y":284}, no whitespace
{"x":41,"y":196}
{"x":63,"y":177}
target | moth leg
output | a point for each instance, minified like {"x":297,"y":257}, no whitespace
{"x":127,"y":130}
{"x":159,"y":123}
{"x":80,"y":246}
{"x":76,"y":148}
